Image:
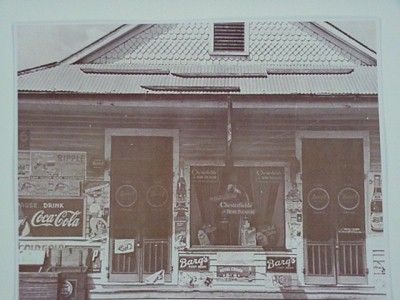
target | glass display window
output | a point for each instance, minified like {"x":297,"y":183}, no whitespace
{"x":242,"y":206}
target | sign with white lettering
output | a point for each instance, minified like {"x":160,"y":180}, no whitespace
{"x":236,"y":273}
{"x":268,"y":174}
{"x":194,"y":263}
{"x":281,"y":264}
{"x":237,"y":208}
{"x":51,"y":218}
{"x":204,"y":174}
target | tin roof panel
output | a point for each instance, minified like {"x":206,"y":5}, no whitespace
{"x":70,"y":78}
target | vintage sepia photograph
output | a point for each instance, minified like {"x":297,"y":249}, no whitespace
{"x":216,"y":159}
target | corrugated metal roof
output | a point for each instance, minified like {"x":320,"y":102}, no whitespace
{"x":71,"y":79}
{"x":282,"y":43}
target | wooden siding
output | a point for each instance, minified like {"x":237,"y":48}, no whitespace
{"x":257,"y":138}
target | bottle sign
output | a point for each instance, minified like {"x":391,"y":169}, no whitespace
{"x":376,"y":206}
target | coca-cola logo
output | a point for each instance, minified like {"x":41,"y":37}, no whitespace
{"x":52,"y":217}
{"x":65,"y":218}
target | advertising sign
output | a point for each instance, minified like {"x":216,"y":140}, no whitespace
{"x":194,"y":263}
{"x":281,"y":264}
{"x":204,"y":174}
{"x":24,"y":163}
{"x":97,"y":198}
{"x":349,"y":198}
{"x":123,"y":246}
{"x":51,"y":218}
{"x":267,"y":174}
{"x":318,"y":199}
{"x":49,"y":188}
{"x":237,"y":208}
{"x":64,"y":164}
{"x":236,"y":273}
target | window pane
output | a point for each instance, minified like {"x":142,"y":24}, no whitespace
{"x":243,"y":208}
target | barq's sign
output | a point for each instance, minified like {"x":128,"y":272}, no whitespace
{"x":194,"y":263}
{"x":281,"y":264}
{"x":51,"y":218}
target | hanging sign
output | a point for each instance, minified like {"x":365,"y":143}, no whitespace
{"x":123,"y":246}
{"x":194,"y":263}
{"x":281,"y":264}
{"x":348,"y":198}
{"x":318,"y":198}
{"x":236,"y":273}
{"x":51,"y":218}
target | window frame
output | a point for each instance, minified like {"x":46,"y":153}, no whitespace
{"x":229,"y":53}
{"x":244,"y":163}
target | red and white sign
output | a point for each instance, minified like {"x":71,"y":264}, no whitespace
{"x":51,"y":218}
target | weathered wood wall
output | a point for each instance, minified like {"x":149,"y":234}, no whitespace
{"x":259,"y":138}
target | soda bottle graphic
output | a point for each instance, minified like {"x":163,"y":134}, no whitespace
{"x":376,"y":206}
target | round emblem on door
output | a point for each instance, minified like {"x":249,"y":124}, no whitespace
{"x":348,"y":198}
{"x":157,"y":196}
{"x":126,"y":195}
{"x":318,"y":198}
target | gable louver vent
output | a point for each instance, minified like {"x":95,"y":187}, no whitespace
{"x":229,"y":37}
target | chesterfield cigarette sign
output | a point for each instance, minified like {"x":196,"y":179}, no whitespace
{"x":51,"y":218}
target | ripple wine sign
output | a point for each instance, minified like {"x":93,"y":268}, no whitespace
{"x":51,"y":218}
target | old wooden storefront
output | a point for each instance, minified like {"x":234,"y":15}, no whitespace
{"x":240,"y":177}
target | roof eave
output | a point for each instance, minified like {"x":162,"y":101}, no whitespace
{"x":344,"y":41}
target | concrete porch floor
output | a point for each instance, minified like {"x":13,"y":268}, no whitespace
{"x":178,"y":292}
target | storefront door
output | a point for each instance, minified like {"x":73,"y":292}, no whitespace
{"x":333,"y":193}
{"x":141,"y":204}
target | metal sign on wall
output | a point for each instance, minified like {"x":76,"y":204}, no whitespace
{"x":53,"y":164}
{"x":194,"y":263}
{"x":281,"y":264}
{"x":51,"y":218}
{"x":48,"y":187}
{"x":236,"y":273}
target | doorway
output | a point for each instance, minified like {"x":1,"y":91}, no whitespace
{"x":334,"y":211}
{"x":141,"y":207}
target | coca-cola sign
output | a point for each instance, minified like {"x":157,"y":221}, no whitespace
{"x":51,"y":218}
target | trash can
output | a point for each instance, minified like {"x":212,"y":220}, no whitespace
{"x":69,"y":264}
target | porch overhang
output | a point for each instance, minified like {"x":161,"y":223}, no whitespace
{"x":343,"y":106}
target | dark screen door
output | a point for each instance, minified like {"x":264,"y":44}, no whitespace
{"x":333,"y":193}
{"x":141,"y":204}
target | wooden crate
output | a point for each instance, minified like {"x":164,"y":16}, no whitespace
{"x":43,"y":286}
